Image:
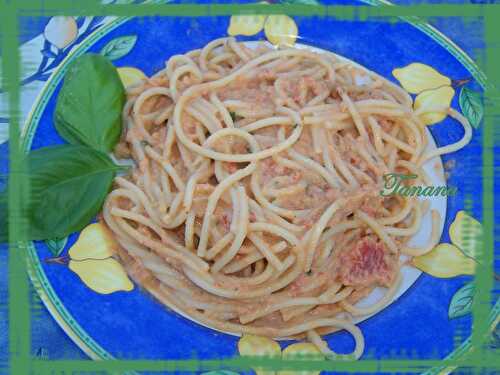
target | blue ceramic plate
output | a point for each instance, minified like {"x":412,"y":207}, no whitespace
{"x":133,"y":325}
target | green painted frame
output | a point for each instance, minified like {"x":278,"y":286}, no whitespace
{"x":35,"y":271}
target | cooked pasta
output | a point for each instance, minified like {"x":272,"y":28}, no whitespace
{"x":254,"y":204}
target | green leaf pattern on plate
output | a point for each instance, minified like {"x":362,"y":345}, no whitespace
{"x":472,"y":108}
{"x":119,"y":47}
{"x":495,"y":337}
{"x":461,"y":303}
{"x":56,"y":245}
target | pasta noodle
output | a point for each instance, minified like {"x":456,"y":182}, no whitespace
{"x":254,"y":205}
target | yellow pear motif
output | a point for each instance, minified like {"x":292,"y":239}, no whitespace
{"x":252,"y":345}
{"x":103,"y":276}
{"x":246,"y":25}
{"x":130,"y":75}
{"x":432,"y":105}
{"x":466,"y":233}
{"x":281,"y":30}
{"x":418,"y":77}
{"x":91,"y":259}
{"x":444,"y":261}
{"x":95,"y":242}
{"x":303,"y":350}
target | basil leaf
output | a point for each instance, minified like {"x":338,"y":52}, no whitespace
{"x":68,"y":186}
{"x":472,"y":108}
{"x":90,"y":103}
{"x":461,"y":302}
{"x":119,"y":47}
{"x":56,"y":245}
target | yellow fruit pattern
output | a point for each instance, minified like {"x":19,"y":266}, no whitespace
{"x":91,"y":259}
{"x":445,"y":261}
{"x":432,"y":105}
{"x":130,"y":76}
{"x":103,"y":276}
{"x":467,"y":234}
{"x":418,"y":77}
{"x":246,"y":25}
{"x":457,"y":258}
{"x":434,"y":96}
{"x":302,"y":350}
{"x":435,"y":91}
{"x":95,"y":242}
{"x":280,"y":29}
{"x":252,"y":345}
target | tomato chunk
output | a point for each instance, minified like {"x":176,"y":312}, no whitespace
{"x":366,"y":263}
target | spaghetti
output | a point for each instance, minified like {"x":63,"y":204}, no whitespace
{"x":254,"y":203}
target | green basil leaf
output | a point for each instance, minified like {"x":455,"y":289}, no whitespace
{"x":219,"y":372}
{"x":472,"y":108}
{"x":461,"y":302}
{"x":56,"y":245}
{"x":89,"y":106}
{"x":68,"y":186}
{"x":119,"y":47}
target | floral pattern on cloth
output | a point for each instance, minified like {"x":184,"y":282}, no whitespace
{"x":42,"y":55}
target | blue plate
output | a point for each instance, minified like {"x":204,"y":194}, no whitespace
{"x":133,"y":325}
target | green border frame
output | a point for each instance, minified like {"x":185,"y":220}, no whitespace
{"x":37,"y":275}
{"x":48,"y":296}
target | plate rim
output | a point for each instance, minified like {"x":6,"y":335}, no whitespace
{"x":35,"y":270}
